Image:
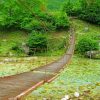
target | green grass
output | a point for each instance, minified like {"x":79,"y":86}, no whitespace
{"x":82,"y":75}
{"x":22,"y":64}
{"x":9,"y":39}
{"x":93,"y":31}
{"x":11,"y":65}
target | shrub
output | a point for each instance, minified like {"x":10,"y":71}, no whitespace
{"x":37,"y":25}
{"x":71,"y":9}
{"x":88,"y":10}
{"x":46,"y":17}
{"x":86,"y":44}
{"x":37,"y":41}
{"x":16,"y":47}
{"x":62,"y":22}
{"x":91,"y":11}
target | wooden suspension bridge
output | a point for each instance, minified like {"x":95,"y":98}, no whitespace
{"x":15,"y":87}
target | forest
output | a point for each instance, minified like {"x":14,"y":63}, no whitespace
{"x":37,"y":33}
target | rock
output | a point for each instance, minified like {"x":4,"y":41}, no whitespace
{"x":25,"y":48}
{"x":92,"y":54}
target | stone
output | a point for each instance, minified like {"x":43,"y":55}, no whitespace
{"x":91,"y":54}
{"x":25,"y":48}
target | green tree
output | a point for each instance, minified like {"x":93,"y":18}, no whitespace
{"x":91,"y":11}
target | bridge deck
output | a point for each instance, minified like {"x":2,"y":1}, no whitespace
{"x":14,"y":87}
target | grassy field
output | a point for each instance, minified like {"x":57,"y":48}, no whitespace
{"x":10,"y":39}
{"x":82,"y":75}
{"x":11,"y":65}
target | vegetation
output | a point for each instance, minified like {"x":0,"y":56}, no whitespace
{"x":42,"y":26}
{"x":87,"y":10}
{"x":81,"y":76}
{"x":15,"y":61}
{"x":54,"y":5}
{"x":37,"y":41}
{"x":28,"y":18}
{"x":87,"y":44}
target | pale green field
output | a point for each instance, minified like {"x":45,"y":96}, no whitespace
{"x":11,"y":65}
{"x":82,"y":75}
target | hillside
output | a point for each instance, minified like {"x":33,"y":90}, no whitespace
{"x":55,"y":4}
{"x":81,"y":76}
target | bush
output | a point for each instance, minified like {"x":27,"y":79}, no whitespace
{"x":62,"y":22}
{"x":88,"y":10}
{"x":16,"y":47}
{"x":36,"y":25}
{"x":37,"y":41}
{"x":46,"y":17}
{"x":86,"y":44}
{"x":71,"y":9}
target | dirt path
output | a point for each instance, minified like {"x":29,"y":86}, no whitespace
{"x":16,"y":86}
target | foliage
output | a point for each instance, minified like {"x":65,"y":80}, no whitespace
{"x":87,"y":44}
{"x":9,"y":12}
{"x":62,"y":22}
{"x":37,"y":41}
{"x":16,"y":47}
{"x":17,"y":13}
{"x":28,"y":15}
{"x":88,"y":10}
{"x":91,"y":11}
{"x":54,"y":5}
{"x":72,"y":8}
{"x":81,"y":76}
{"x":30,"y":24}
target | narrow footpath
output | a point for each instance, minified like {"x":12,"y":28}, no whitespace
{"x":17,"y":86}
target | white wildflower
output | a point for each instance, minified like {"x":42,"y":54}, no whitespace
{"x":76,"y":94}
{"x":1,"y":63}
{"x":44,"y":99}
{"x":67,"y":97}
{"x":35,"y":58}
{"x":63,"y":99}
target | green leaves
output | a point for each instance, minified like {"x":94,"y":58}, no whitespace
{"x":37,"y":41}
{"x":86,"y":44}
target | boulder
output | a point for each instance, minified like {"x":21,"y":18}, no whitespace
{"x":92,"y":54}
{"x":25,"y":48}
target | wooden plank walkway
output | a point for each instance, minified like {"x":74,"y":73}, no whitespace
{"x":16,"y":86}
